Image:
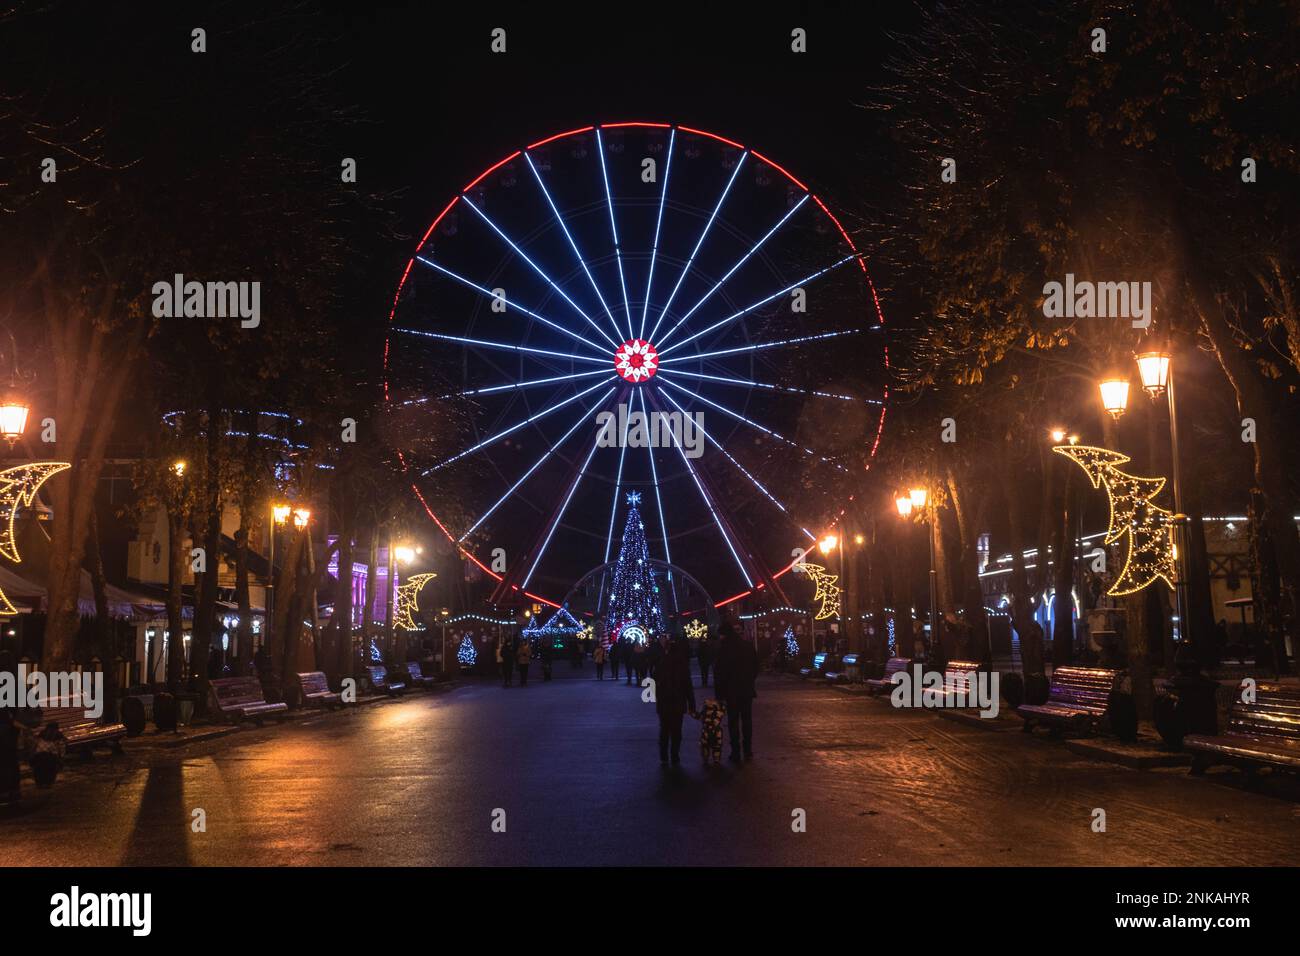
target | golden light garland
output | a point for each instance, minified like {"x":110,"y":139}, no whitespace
{"x":18,"y":487}
{"x":407,"y":603}
{"x":696,"y":629}
{"x":828,"y":592}
{"x":1133,"y":513}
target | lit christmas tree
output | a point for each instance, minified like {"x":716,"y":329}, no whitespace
{"x":791,"y":643}
{"x":466,"y":653}
{"x":634,"y":598}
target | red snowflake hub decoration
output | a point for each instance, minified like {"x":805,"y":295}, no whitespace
{"x":636,"y":360}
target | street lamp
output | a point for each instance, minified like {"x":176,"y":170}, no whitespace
{"x":279,"y":516}
{"x":300,"y":518}
{"x":178,"y":468}
{"x":1057,"y":435}
{"x":1153,"y":367}
{"x":14,"y":407}
{"x":404,"y":553}
{"x":828,"y":544}
{"x":1114,"y":396}
{"x":915,"y":501}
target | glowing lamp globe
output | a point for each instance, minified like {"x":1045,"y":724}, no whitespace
{"x":919,"y":497}
{"x":280,"y":513}
{"x":828,"y":543}
{"x":904,"y":504}
{"x":13,"y":417}
{"x":1153,"y":367}
{"x":1114,"y":396}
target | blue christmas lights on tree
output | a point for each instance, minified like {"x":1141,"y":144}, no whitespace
{"x":467,"y":654}
{"x":634,"y":596}
{"x":791,"y":643}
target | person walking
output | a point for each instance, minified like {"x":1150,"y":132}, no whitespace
{"x":506,"y":658}
{"x":615,"y":655}
{"x":674,"y":697}
{"x":706,"y":652}
{"x":598,"y":657}
{"x":523,"y":654}
{"x":638,"y":662}
{"x":733,"y":684}
{"x":548,"y":656}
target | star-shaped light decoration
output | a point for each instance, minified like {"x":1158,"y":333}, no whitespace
{"x":636,"y":361}
{"x":634,"y":498}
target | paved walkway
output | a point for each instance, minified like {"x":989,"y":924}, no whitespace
{"x":574,"y":766}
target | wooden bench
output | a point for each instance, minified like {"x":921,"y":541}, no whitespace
{"x":1076,"y":700}
{"x":79,"y":730}
{"x":416,"y":675}
{"x":380,"y":682}
{"x":820,"y":662}
{"x":1264,"y":732}
{"x":316,"y":690}
{"x":845,"y":671}
{"x":886,"y":683}
{"x":959,"y":679}
{"x":235,"y":698}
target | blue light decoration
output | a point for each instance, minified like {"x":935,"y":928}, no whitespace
{"x":466,"y":653}
{"x":791,"y":643}
{"x":633,"y":600}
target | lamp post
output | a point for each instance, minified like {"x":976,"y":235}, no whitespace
{"x":916,"y":500}
{"x":279,"y":516}
{"x":829,"y":543}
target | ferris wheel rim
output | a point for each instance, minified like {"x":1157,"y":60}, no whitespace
{"x":597,"y":127}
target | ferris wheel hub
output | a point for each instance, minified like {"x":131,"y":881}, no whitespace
{"x":636,"y":361}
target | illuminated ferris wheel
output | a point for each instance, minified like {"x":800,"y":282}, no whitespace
{"x":662,"y":275}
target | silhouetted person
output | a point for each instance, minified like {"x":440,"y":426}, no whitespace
{"x":733,"y":684}
{"x":706,"y":652}
{"x":523,"y":654}
{"x":506,"y":655}
{"x":615,"y":657}
{"x":47,"y":755}
{"x":598,"y":657}
{"x":674,"y":696}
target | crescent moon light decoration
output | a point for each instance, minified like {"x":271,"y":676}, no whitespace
{"x":1133,"y":513}
{"x":18,"y":487}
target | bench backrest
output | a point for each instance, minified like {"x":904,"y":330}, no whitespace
{"x":314,"y":682}
{"x":896,"y":664}
{"x":850,"y":660}
{"x":1081,"y":686}
{"x":378,"y":674}
{"x":958,"y":674}
{"x":69,"y":716}
{"x":413,"y":669}
{"x":237,"y":691}
{"x":819,"y":661}
{"x":1275,"y":712}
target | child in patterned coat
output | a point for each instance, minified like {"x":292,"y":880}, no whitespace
{"x":712,"y":717}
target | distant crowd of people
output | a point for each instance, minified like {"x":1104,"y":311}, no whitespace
{"x":731,"y":662}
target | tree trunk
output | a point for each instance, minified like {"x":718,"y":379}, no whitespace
{"x":105,"y":645}
{"x":244,"y":633}
{"x":176,"y":555}
{"x":205,"y":616}
{"x":286,"y":587}
{"x":1031,"y":638}
{"x":1063,"y":573}
{"x":343,"y":598}
{"x":368,"y":612}
{"x":1271,"y":438}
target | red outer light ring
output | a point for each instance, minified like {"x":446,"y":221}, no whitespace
{"x":875,"y":298}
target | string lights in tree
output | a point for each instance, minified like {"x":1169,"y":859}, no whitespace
{"x":791,"y":642}
{"x":634,"y":596}
{"x":828,"y":592}
{"x":1133,"y":515}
